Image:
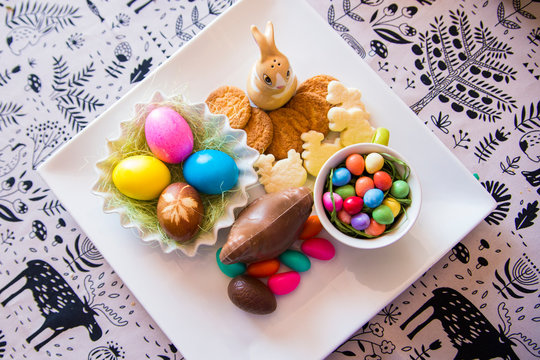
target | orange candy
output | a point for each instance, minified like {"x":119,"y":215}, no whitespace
{"x":355,"y":164}
{"x":374,"y":228}
{"x":362,"y":185}
{"x":263,"y":268}
{"x":312,"y":227}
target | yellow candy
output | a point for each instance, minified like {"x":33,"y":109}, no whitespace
{"x":374,"y":162}
{"x":393,"y":204}
{"x":141,"y":177}
{"x":381,"y":136}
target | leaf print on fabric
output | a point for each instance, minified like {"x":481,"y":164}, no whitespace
{"x":488,"y":145}
{"x":5,"y":76}
{"x":140,"y":71}
{"x":519,"y":279}
{"x":528,"y":120}
{"x":498,"y":192}
{"x":9,"y":114}
{"x":525,"y":217}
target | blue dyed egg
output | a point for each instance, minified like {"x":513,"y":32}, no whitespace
{"x":341,"y":177}
{"x":373,"y":198}
{"x":210,"y":171}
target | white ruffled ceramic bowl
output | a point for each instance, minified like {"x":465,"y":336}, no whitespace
{"x":232,"y":141}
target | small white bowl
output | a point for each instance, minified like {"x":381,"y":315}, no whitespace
{"x":406,"y":220}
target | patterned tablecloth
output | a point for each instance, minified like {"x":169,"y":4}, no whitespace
{"x":469,"y":69}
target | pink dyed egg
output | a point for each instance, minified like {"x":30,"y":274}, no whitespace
{"x":168,"y":135}
{"x":283,"y":283}
{"x":318,"y":248}
{"x":327,"y":201}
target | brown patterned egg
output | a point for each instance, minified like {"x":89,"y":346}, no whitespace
{"x":180,"y":211}
{"x":251,"y":295}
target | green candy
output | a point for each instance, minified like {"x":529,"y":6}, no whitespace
{"x":400,"y":189}
{"x":295,"y":260}
{"x":345,"y":191}
{"x":383,"y":215}
{"x":231,"y":270}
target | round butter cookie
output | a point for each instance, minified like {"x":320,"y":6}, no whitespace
{"x":314,"y":108}
{"x":288,"y":125}
{"x":317,"y":84}
{"x":259,"y":130}
{"x":230,"y":101}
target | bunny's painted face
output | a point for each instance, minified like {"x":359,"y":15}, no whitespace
{"x":275,"y":73}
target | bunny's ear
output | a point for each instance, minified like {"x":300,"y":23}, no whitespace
{"x":265,"y":41}
{"x":269,"y":34}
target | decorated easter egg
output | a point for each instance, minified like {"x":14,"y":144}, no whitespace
{"x":284,"y":283}
{"x":355,"y":164}
{"x":360,"y":221}
{"x":345,"y":191}
{"x":318,"y":248}
{"x":180,"y":211}
{"x":383,"y":215}
{"x":168,"y":135}
{"x":251,"y":295}
{"x":382,"y":180}
{"x":400,"y":189}
{"x":329,"y":205}
{"x":141,"y":177}
{"x":341,"y":176}
{"x":374,"y":228}
{"x":362,"y":185}
{"x":295,"y":260}
{"x":210,"y":171}
{"x":263,"y":268}
{"x":373,"y":198}
{"x":231,"y":270}
{"x":374,"y":162}
{"x":353,"y":205}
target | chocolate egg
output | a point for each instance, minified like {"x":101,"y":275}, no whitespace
{"x":180,"y":211}
{"x":251,"y":295}
{"x":268,"y":226}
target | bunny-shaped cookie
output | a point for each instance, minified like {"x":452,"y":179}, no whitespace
{"x":272,"y":81}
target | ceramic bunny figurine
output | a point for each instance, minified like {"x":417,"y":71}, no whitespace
{"x":272,"y":81}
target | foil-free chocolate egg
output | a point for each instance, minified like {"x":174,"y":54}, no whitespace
{"x":251,"y":295}
{"x":180,"y":211}
{"x":268,"y":226}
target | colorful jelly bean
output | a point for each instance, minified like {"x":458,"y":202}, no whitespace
{"x":374,"y":228}
{"x":374,"y":162}
{"x":327,"y":201}
{"x":373,"y":198}
{"x":383,"y":215}
{"x":283,"y":283}
{"x":382,"y":180}
{"x":263,"y":268}
{"x":345,"y":191}
{"x":381,"y":136}
{"x":353,"y":204}
{"x":318,"y":248}
{"x":362,"y":185}
{"x":312,"y":227}
{"x":341,"y":176}
{"x":355,"y":163}
{"x":295,"y":260}
{"x":231,"y":270}
{"x":393,"y":204}
{"x":400,"y":189}
{"x":360,"y":221}
{"x":344,"y":216}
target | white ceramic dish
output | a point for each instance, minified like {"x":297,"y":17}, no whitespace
{"x":187,"y":297}
{"x":401,"y":228}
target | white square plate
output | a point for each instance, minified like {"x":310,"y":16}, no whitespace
{"x":187,"y":297}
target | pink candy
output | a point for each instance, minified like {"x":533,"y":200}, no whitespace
{"x":318,"y":248}
{"x":283,"y":283}
{"x":327,"y":202}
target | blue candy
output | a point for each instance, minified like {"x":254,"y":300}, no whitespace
{"x":341,"y":177}
{"x":373,"y":198}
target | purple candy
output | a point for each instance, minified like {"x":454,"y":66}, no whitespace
{"x":327,"y":202}
{"x":373,"y":198}
{"x":360,"y":221}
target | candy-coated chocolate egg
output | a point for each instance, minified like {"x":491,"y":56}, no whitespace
{"x":353,"y":205}
{"x":210,"y":171}
{"x":383,"y":215}
{"x":295,"y":260}
{"x":231,"y":270}
{"x":327,"y":201}
{"x":381,"y":136}
{"x":344,"y":216}
{"x":382,"y":180}
{"x":341,"y":176}
{"x":141,"y":177}
{"x":345,"y":191}
{"x":180,"y":211}
{"x":374,"y":228}
{"x":168,"y":135}
{"x":355,"y":163}
{"x":374,"y":162}
{"x":400,"y":189}
{"x":283,"y":283}
{"x":373,"y":198}
{"x":360,"y":221}
{"x":263,"y":268}
{"x":251,"y":295}
{"x":393,"y":204}
{"x":318,"y":248}
{"x":363,"y":184}
{"x":312,"y":227}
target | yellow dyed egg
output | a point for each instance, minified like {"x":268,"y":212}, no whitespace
{"x":141,"y":177}
{"x":393,"y":204}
